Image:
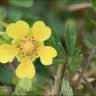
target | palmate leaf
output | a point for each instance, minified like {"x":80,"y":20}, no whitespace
{"x":70,"y":36}
{"x":66,"y":89}
{"x":74,"y":54}
{"x":75,"y":60}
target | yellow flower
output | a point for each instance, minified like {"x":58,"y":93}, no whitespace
{"x":27,"y":45}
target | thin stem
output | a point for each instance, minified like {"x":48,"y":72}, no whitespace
{"x":12,"y":67}
{"x":73,"y":7}
{"x":85,"y":65}
{"x":89,"y":86}
{"x":59,"y":78}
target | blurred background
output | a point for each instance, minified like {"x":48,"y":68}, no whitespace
{"x":54,"y":13}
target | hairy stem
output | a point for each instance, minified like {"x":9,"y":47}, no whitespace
{"x":59,"y":78}
{"x":89,"y":86}
{"x":85,"y":65}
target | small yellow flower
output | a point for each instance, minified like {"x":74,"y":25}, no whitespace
{"x":27,"y":45}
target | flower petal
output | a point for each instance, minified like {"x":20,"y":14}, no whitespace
{"x":7,"y":52}
{"x":25,"y":69}
{"x":46,"y":54}
{"x":40,"y":31}
{"x":46,"y":61}
{"x":17,"y":30}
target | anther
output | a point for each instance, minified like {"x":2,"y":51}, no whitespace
{"x":33,"y":40}
{"x":20,"y":52}
{"x":32,"y":37}
{"x":36,"y":54}
{"x":35,"y":49}
{"x":25,"y":36}
{"x":23,"y":56}
{"x":29,"y":39}
{"x":18,"y":46}
{"x":23,"y":41}
{"x":27,"y":54}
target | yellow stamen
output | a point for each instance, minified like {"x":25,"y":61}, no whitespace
{"x":27,"y":47}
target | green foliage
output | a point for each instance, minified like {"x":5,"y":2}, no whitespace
{"x":15,"y":14}
{"x":2,"y":13}
{"x":64,"y":39}
{"x":6,"y":74}
{"x":70,"y":36}
{"x":22,"y":3}
{"x":4,"y":38}
{"x":74,"y":55}
{"x":75,"y":60}
{"x":93,"y":2}
{"x":56,"y":43}
{"x":38,"y":85}
{"x":90,"y":40}
{"x":66,"y":89}
{"x":56,"y":25}
{"x":55,"y":40}
{"x":23,"y":87}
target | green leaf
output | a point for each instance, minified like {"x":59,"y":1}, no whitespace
{"x":23,"y":87}
{"x":19,"y":91}
{"x":1,"y":28}
{"x":66,"y":89}
{"x":74,"y":53}
{"x":70,"y":36}
{"x":6,"y":75}
{"x":22,"y":3}
{"x":75,"y":60}
{"x":2,"y":13}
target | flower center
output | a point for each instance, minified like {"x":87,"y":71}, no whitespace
{"x":28,"y":47}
